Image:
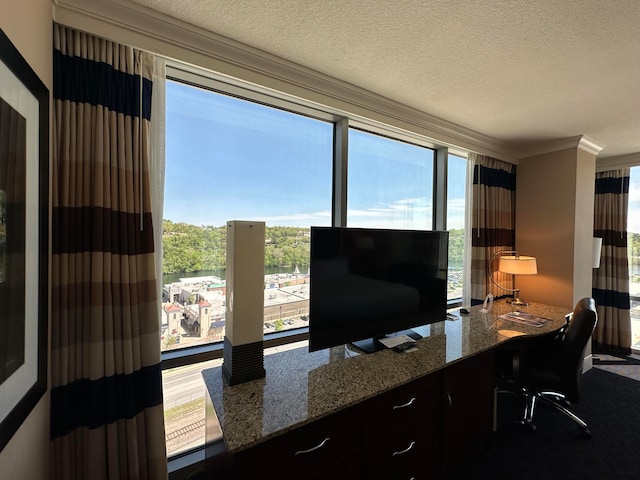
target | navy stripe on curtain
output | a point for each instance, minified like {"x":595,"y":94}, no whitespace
{"x":102,"y":400}
{"x":612,"y":185}
{"x":609,"y":298}
{"x":80,"y":80}
{"x":611,"y":237}
{"x":99,"y":229}
{"x":483,"y":237}
{"x":494,"y":177}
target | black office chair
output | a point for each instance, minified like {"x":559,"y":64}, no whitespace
{"x":552,"y":373}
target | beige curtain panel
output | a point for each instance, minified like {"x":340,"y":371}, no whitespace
{"x":106,"y":397}
{"x":611,"y":279}
{"x":492,"y":222}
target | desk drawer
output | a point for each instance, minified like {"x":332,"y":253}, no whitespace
{"x":414,"y":457}
{"x":317,"y":450}
{"x":405,"y":405}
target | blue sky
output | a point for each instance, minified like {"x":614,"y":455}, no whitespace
{"x":223,"y":164}
{"x":235,"y":160}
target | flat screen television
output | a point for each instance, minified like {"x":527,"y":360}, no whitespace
{"x":367,"y":283}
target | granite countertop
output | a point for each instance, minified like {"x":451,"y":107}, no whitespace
{"x":300,"y":386}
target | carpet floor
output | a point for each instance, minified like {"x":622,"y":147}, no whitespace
{"x":610,"y":405}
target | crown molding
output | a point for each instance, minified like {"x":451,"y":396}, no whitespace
{"x":622,"y":161}
{"x":581,"y":142}
{"x":133,"y":24}
{"x":590,"y":145}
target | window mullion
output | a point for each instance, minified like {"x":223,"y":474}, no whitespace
{"x":440,"y":190}
{"x":340,"y":166}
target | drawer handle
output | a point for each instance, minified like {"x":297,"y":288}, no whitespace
{"x":408,"y":404}
{"x":402,"y":452}
{"x":313,"y":449}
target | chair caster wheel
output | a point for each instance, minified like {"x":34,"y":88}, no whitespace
{"x":585,"y":433}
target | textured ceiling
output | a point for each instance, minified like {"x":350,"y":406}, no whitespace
{"x":520,"y":72}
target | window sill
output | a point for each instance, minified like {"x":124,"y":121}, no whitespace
{"x":203,"y":353}
{"x":182,"y":467}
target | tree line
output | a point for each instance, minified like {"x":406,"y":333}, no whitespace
{"x":189,"y":248}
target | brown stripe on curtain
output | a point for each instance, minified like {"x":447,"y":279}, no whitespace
{"x":107,"y":418}
{"x":492,"y":223}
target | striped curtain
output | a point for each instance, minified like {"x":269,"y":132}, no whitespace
{"x":492,"y":224}
{"x":106,"y":397}
{"x":611,"y":280}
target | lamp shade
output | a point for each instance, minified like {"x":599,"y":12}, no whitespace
{"x":518,"y":265}
{"x":597,"y":249}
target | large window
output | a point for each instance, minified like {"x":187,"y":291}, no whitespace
{"x":233,"y":153}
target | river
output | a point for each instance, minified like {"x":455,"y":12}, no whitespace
{"x":175,"y":277}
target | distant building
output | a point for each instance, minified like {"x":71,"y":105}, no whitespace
{"x":216,"y":329}
{"x":205,"y":312}
{"x":171,"y":292}
{"x":171,"y":321}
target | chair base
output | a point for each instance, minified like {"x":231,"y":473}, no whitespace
{"x":556,"y":400}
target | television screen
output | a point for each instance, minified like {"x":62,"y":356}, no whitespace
{"x":367,"y":283}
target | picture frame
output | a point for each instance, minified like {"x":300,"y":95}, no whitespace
{"x":24,"y":238}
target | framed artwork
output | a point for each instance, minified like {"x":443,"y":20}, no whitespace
{"x":24,"y":227}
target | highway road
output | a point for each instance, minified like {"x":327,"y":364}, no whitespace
{"x":184,"y":384}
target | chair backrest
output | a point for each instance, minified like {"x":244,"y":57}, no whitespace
{"x":574,"y":342}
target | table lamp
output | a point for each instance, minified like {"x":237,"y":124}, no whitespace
{"x":512,"y":263}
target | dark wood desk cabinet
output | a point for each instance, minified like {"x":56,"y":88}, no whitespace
{"x":467,"y":407}
{"x":414,"y":431}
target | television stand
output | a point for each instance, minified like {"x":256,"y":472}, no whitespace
{"x":373,"y":344}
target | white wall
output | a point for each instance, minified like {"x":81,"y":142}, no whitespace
{"x":28,"y":25}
